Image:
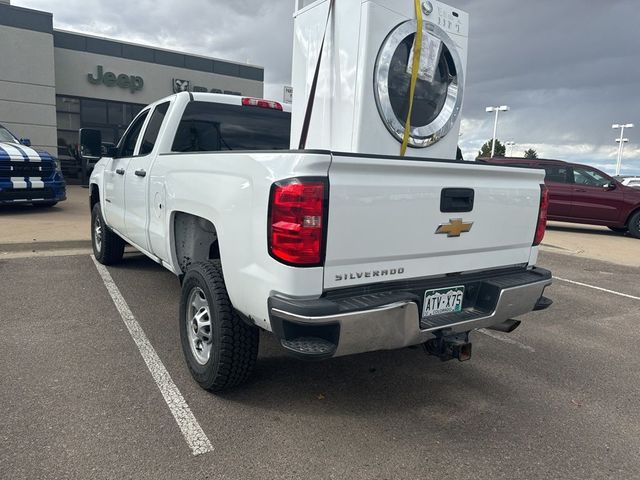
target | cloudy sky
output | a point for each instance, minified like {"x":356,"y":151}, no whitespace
{"x":568,"y":69}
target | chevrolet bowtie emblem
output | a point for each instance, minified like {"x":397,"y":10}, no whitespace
{"x":455,"y":227}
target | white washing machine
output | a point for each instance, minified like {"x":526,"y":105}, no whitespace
{"x":362,"y":97}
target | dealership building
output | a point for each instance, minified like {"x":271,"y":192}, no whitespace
{"x":54,"y":82}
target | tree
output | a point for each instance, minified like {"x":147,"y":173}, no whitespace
{"x":485,"y":151}
{"x":531,"y":153}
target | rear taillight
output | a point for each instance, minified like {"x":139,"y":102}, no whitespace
{"x":542,"y":215}
{"x":297,"y":221}
{"x":258,"y":102}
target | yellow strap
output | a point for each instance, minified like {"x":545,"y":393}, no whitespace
{"x":417,"y":49}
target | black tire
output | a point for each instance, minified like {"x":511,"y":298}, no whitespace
{"x":110,"y":247}
{"x":619,"y":229}
{"x":634,"y":225}
{"x":233,"y":344}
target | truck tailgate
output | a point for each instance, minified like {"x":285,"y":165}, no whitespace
{"x":384,"y":213}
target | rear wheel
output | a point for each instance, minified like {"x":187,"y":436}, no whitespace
{"x":618,"y":229}
{"x":634,"y":225}
{"x":219,"y":348}
{"x":108,"y":247}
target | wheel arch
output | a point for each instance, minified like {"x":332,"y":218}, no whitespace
{"x":193,"y":239}
{"x":94,"y":195}
{"x":631,"y":214}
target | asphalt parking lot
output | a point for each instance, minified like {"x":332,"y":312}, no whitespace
{"x":557,"y":398}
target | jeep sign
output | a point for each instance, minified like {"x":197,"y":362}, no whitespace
{"x":109,"y":79}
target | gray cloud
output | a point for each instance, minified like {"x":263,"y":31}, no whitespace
{"x":567,"y":69}
{"x":243,"y":30}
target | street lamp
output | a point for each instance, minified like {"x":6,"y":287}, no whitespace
{"x":621,"y":142}
{"x":502,"y":108}
{"x":510,"y":144}
{"x":621,"y":152}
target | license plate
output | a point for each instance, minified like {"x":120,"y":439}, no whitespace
{"x":442,"y":300}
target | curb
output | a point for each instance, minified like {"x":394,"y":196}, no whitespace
{"x":45,"y":246}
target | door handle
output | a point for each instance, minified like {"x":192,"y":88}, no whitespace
{"x":141,"y":173}
{"x":120,"y":171}
{"x":458,"y":200}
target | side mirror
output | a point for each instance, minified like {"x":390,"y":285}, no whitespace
{"x":610,"y":186}
{"x":90,"y":143}
{"x":26,"y":142}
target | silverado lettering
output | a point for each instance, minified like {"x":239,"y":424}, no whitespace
{"x":372,"y":273}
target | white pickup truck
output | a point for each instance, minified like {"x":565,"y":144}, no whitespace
{"x":334,"y":253}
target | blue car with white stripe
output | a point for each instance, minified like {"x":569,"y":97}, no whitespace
{"x":28,"y":176}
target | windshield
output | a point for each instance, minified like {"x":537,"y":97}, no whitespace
{"x":6,"y":136}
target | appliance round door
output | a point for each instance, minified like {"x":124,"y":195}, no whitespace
{"x":439,"y":88}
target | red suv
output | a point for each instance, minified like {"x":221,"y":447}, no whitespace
{"x":583,"y":194}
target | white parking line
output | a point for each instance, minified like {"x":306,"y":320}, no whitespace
{"x":191,"y":430}
{"x":510,"y":341}
{"x":606,"y":290}
{"x":505,"y":339}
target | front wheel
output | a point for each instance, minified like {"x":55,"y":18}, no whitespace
{"x":108,"y":247}
{"x":219,"y":348}
{"x":634,"y":225}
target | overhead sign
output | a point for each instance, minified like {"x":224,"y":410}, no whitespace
{"x":110,"y":79}
{"x":288,"y":94}
{"x":180,"y":85}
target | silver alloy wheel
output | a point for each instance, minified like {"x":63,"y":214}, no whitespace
{"x":97,"y":233}
{"x":199,"y":328}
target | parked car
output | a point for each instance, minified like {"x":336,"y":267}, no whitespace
{"x":583,"y":194}
{"x":28,"y":176}
{"x":631,"y":182}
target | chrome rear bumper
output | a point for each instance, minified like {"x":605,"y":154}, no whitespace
{"x":397,"y":324}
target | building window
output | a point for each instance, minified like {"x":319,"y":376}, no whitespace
{"x":68,"y":113}
{"x":73,"y":113}
{"x":94,"y":111}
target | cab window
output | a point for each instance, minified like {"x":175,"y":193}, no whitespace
{"x":128,"y":142}
{"x":153,"y":128}
{"x":589,"y":178}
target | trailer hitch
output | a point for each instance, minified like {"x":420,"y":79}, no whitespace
{"x":450,"y":347}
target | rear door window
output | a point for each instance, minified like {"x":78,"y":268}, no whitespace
{"x":153,"y":128}
{"x":208,"y":126}
{"x":128,"y":142}
{"x":556,"y":173}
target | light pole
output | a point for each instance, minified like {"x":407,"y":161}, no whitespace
{"x":620,"y":153}
{"x":510,"y":144}
{"x":621,"y":142}
{"x":502,"y":108}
